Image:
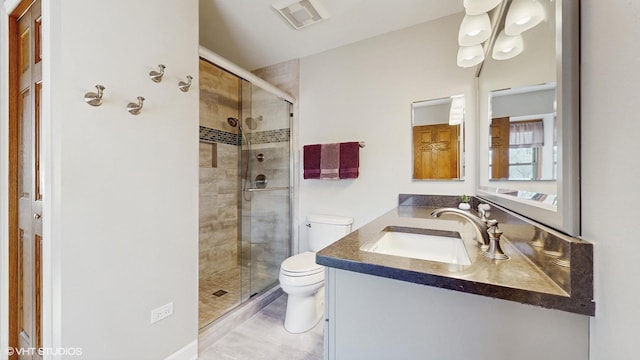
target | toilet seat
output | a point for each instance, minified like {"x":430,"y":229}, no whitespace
{"x":303,"y":264}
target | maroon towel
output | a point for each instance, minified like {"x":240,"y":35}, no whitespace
{"x":329,"y":161}
{"x":349,"y":160}
{"x":311,"y":155}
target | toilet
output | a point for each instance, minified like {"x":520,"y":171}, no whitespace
{"x":303,"y":280}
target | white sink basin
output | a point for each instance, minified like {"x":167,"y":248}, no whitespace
{"x":425,"y":244}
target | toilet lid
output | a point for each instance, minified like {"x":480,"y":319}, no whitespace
{"x":302,"y":263}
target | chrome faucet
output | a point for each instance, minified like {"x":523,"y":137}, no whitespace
{"x":479,"y":223}
{"x":490,"y":243}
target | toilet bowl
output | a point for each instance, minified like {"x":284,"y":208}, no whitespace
{"x":303,"y":280}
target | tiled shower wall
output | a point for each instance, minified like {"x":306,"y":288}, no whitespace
{"x":219,"y":100}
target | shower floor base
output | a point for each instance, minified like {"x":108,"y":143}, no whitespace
{"x":221,"y":291}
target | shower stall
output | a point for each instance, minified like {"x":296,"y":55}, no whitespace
{"x":245,"y":190}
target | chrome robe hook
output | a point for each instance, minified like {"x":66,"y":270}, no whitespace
{"x":94,"y":99}
{"x":134,"y":108}
{"x":156,"y":76}
{"x":184,"y":86}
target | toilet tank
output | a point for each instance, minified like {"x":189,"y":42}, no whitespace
{"x":324,"y":230}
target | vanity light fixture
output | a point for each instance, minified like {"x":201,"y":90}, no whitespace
{"x":469,"y":56}
{"x":522,"y":16}
{"x":456,"y":113}
{"x":477,"y":7}
{"x":474,"y":29}
{"x":507,"y":47}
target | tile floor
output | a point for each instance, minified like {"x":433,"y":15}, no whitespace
{"x":235,"y":281}
{"x":263,"y":337}
{"x":210,"y":306}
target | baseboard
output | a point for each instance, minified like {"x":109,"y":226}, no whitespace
{"x":188,"y":352}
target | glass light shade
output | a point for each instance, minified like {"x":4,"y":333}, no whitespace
{"x":469,"y":56}
{"x":507,"y":47}
{"x":477,"y":7}
{"x":522,"y":16}
{"x":456,"y":112}
{"x":474,"y":30}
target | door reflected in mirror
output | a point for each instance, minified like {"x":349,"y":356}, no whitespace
{"x":438,"y":138}
{"x":522,"y":136}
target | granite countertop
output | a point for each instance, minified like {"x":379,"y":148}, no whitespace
{"x":517,"y":279}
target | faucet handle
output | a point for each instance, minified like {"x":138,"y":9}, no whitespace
{"x":495,"y":251}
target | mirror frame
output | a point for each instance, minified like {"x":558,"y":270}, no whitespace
{"x":566,"y":218}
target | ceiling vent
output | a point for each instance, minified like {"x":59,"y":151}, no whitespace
{"x":301,"y":13}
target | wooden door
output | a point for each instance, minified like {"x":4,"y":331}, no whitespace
{"x":25,"y":248}
{"x":435,"y":152}
{"x":500,"y":148}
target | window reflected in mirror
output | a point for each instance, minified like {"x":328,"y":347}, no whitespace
{"x":438,"y":133}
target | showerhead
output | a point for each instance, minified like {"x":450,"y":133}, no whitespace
{"x":233,"y":121}
{"x":236,"y":123}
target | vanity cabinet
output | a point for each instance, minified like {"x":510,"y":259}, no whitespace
{"x":370,"y":317}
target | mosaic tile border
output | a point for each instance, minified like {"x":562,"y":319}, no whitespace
{"x":270,"y":136}
{"x":218,"y":136}
{"x":260,"y":137}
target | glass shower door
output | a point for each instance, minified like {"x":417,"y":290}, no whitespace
{"x":266,"y":189}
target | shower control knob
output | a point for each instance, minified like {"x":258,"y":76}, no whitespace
{"x":36,"y":216}
{"x":308,"y":225}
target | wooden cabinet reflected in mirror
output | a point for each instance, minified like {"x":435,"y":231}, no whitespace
{"x":438,"y":146}
{"x":435,"y":152}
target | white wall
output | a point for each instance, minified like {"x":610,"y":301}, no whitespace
{"x":610,"y":171}
{"x":123,"y":225}
{"x":431,"y":114}
{"x":363,"y":92}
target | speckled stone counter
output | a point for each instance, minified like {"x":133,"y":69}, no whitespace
{"x":519,"y":279}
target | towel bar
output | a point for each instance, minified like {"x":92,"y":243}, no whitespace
{"x":268,"y":189}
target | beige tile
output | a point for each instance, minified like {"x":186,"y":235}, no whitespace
{"x":219,"y":97}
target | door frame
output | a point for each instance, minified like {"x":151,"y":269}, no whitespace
{"x":50,"y":272}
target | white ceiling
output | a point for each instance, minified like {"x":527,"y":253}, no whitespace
{"x":252,"y":34}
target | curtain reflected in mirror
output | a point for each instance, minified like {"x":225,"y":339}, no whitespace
{"x":438,"y":133}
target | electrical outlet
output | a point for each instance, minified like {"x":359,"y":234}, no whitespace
{"x":161,"y":312}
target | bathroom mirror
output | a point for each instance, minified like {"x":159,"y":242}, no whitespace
{"x":529,"y":121}
{"x":438,"y":138}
